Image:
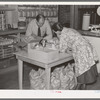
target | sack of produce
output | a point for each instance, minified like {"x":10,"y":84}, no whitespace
{"x":62,"y":78}
{"x":36,"y":80}
{"x":55,"y":83}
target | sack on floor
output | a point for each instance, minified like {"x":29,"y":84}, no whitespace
{"x":62,"y":78}
{"x":37,"y":79}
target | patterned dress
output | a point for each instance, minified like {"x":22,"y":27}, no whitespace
{"x":83,"y":52}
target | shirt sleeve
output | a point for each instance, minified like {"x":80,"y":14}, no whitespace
{"x":48,"y":31}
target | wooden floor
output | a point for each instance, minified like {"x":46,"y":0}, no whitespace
{"x":9,"y":80}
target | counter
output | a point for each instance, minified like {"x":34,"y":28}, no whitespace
{"x":89,"y":33}
{"x":11,"y":31}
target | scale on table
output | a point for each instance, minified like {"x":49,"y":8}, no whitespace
{"x":94,"y":28}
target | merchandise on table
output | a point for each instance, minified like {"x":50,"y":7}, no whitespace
{"x":45,"y":54}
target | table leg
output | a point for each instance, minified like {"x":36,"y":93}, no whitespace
{"x":20,"y":73}
{"x":48,"y":71}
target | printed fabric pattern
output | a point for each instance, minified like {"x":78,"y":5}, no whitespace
{"x":83,"y":52}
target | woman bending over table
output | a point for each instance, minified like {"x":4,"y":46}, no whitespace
{"x":83,"y":53}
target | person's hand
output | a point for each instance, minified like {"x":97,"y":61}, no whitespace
{"x":69,"y":51}
{"x":27,"y":39}
{"x":43,"y":42}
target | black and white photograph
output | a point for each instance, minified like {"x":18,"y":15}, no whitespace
{"x":50,"y":46}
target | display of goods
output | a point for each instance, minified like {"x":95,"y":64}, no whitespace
{"x":6,"y":48}
{"x":6,"y":52}
{"x":62,"y":78}
{"x":5,"y":41}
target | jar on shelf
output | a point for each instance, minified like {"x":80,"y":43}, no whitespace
{"x":36,"y":12}
{"x":33,"y":13}
{"x":51,"y":12}
{"x":22,"y":14}
{"x":47,"y":13}
{"x":55,"y":13}
{"x":44,"y":13}
{"x":28,"y":14}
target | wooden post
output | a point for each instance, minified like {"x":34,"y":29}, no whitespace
{"x":20,"y":73}
{"x":48,"y":71}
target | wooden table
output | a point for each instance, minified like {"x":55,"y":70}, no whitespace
{"x":23,"y":56}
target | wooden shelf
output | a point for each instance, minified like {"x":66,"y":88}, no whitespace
{"x":89,"y":33}
{"x":12,"y":31}
{"x":45,"y":16}
{"x":45,"y":9}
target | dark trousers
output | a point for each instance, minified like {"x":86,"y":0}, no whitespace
{"x":89,"y":77}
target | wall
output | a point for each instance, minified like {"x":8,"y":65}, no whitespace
{"x":64,"y":14}
{"x":12,"y":16}
{"x":78,"y":14}
{"x":70,"y":14}
{"x":95,"y":41}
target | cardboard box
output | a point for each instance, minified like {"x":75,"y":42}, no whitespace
{"x":44,"y":55}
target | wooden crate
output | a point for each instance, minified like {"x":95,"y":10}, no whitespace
{"x":6,"y":51}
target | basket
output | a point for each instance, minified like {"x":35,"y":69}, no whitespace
{"x":6,"y":51}
{"x":6,"y":48}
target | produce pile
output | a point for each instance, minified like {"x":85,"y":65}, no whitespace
{"x":62,"y":78}
{"x":5,"y":41}
{"x":6,"y":47}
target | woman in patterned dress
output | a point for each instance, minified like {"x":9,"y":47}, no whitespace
{"x":82,"y":51}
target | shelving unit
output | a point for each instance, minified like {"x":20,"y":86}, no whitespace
{"x":31,"y":11}
{"x":3,"y":13}
{"x":9,"y":63}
